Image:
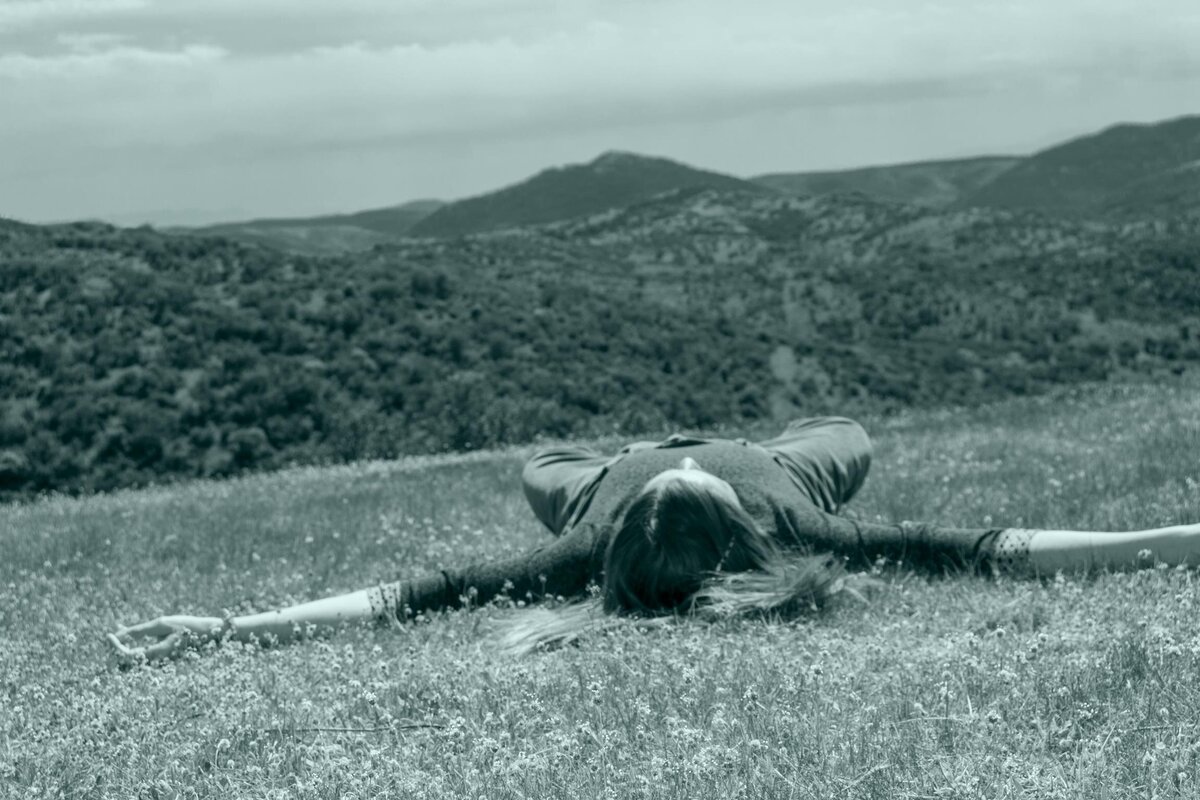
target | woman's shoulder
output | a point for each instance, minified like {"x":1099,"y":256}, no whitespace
{"x":737,"y":462}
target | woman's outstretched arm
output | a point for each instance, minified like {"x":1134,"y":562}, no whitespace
{"x":1013,"y":550}
{"x":562,"y":567}
{"x":167,"y":637}
{"x":1049,"y":551}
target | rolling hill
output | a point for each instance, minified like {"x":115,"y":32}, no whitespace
{"x":936,"y":184}
{"x":1124,"y":173}
{"x":1129,"y":170}
{"x":613,"y":180}
{"x":1172,"y":192}
{"x":325,"y":235}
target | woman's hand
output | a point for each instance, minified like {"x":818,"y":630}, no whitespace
{"x":170,"y":637}
{"x":164,"y":637}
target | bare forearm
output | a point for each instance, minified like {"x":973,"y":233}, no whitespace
{"x":1052,"y":550}
{"x":168,"y":636}
{"x":317,"y":616}
{"x":1022,"y":550}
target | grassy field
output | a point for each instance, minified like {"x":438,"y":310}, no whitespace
{"x":970,"y":687}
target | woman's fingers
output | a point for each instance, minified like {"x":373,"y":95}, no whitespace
{"x":163,"y":637}
{"x":170,"y":647}
{"x":117,"y":644}
{"x":125,"y":654}
{"x":157,"y":627}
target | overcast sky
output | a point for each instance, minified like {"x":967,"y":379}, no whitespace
{"x":200,"y":110}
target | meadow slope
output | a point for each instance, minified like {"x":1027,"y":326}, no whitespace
{"x":974,"y":687}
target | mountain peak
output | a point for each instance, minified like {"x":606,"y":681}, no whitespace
{"x":614,"y":179}
{"x":616,"y":159}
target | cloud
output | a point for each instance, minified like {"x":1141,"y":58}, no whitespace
{"x":258,"y":27}
{"x":97,"y":57}
{"x":24,"y":13}
{"x":89,"y":42}
{"x":643,"y":60}
{"x":206,"y":79}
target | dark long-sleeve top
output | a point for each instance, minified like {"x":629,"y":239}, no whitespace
{"x":768,"y":491}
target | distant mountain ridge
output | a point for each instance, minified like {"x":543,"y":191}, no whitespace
{"x":1127,"y":170}
{"x":397,"y":219}
{"x":1164,"y":194}
{"x":329,"y":234}
{"x":1123,"y":173}
{"x":935,"y":184}
{"x":613,"y":180}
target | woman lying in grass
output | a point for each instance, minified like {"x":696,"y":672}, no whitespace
{"x":710,"y":527}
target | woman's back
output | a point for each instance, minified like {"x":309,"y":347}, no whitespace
{"x":780,"y":507}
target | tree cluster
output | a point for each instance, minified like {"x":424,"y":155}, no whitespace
{"x":131,"y":356}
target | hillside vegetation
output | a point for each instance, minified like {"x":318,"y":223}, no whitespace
{"x":613,"y":180}
{"x":326,"y":235}
{"x":1124,"y":173}
{"x":1129,"y":171}
{"x":1169,"y":193}
{"x":130,"y":356}
{"x":931,"y":183}
{"x":964,"y":687}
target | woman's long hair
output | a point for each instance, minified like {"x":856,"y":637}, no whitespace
{"x":683,"y":549}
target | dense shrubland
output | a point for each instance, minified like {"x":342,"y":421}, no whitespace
{"x":129,"y":356}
